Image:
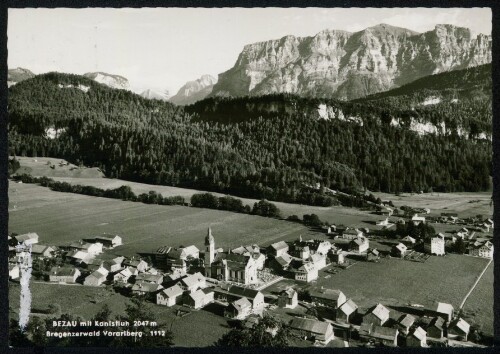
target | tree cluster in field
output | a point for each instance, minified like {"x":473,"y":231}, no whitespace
{"x":35,"y":332}
{"x":420,"y":232}
{"x":269,"y":147}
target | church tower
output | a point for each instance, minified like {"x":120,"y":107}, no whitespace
{"x":209,"y":251}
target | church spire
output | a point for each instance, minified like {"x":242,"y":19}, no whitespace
{"x":209,"y":239}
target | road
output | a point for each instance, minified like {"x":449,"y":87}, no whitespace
{"x":475,"y":284}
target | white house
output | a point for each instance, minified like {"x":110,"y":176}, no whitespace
{"x":435,"y":246}
{"x":170,"y":296}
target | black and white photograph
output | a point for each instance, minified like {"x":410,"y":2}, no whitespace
{"x":250,"y":177}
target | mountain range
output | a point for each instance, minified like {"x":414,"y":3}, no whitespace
{"x":194,"y":91}
{"x":347,"y":65}
{"x":110,"y":80}
{"x":17,"y":75}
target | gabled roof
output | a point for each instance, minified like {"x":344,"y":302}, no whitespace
{"x":189,"y":250}
{"x":315,"y":258}
{"x":78,"y":254}
{"x":197,"y":295}
{"x":386,"y":333}
{"x":290,"y":292}
{"x":444,"y":308}
{"x":147,"y":287}
{"x":284,"y":260}
{"x":173,"y":291}
{"x":106,"y":237}
{"x":40,"y":249}
{"x":348,"y":307}
{"x":437,"y":322}
{"x":419,"y":333}
{"x":63,"y":271}
{"x":461,"y":324}
{"x":241,"y":304}
{"x":149,"y":277}
{"x":98,"y":274}
{"x":406,"y":320}
{"x":26,"y":237}
{"x":306,"y":267}
{"x":244,"y":292}
{"x":360,"y":241}
{"x":193,"y":279}
{"x":126,"y":272}
{"x":401,"y":247}
{"x":329,"y":294}
{"x":373,"y":251}
{"x":310,"y":325}
{"x":381,"y":312}
{"x":279,"y":245}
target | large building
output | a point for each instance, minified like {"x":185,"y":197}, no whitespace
{"x":435,"y":246}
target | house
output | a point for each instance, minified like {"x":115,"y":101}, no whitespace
{"x":384,"y":335}
{"x":169,"y":296}
{"x":331,"y":298}
{"x":138,"y":264}
{"x":399,"y":250}
{"x":320,"y":247}
{"x":417,"y":338}
{"x":93,"y":249}
{"x":114,"y":264}
{"x":288,"y":299}
{"x":13,"y":271}
{"x":405,"y":322}
{"x":109,"y":241}
{"x":346,"y":311}
{"x":318,"y":260}
{"x":359,"y":244}
{"x":444,"y":310}
{"x":146,"y":289}
{"x":278,"y":249}
{"x":408,"y":240}
{"x":352,"y":234}
{"x":281,"y":263}
{"x":417,"y":220}
{"x":78,"y":256}
{"x":300,"y":250}
{"x":337,"y":256}
{"x":193,"y":282}
{"x":436,"y":328}
{"x":304,"y":271}
{"x":238,"y":309}
{"x":124,"y":275}
{"x":458,"y":329}
{"x":481,"y":249}
{"x":436,"y":246}
{"x":377,"y":315}
{"x":96,"y":278}
{"x":28,"y":239}
{"x":149,"y":278}
{"x":372,"y":254}
{"x":64,"y":274}
{"x":318,"y":331}
{"x":199,"y":299}
{"x":234,"y":292}
{"x":42,"y":251}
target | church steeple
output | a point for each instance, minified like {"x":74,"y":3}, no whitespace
{"x":209,"y":238}
{"x":209,"y":251}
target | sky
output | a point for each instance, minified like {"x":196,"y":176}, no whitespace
{"x":163,"y":48}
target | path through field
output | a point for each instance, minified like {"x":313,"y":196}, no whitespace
{"x":475,"y":284}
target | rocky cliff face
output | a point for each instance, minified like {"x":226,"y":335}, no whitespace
{"x":194,"y":91}
{"x":17,"y":75}
{"x":113,"y":81}
{"x":155,"y":95}
{"x":351,"y":65}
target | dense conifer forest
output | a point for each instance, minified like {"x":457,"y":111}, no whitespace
{"x":274,"y":147}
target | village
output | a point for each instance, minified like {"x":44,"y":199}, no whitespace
{"x":247,"y":282}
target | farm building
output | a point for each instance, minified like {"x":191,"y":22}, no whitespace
{"x":96,"y":278}
{"x":346,"y":311}
{"x":385,"y":335}
{"x":408,"y":240}
{"x":114,"y":264}
{"x":146,"y":289}
{"x":377,"y":315}
{"x":281,"y":263}
{"x":28,"y":239}
{"x":170,"y":296}
{"x":320,"y":247}
{"x":436,"y":246}
{"x":458,"y":329}
{"x":238,"y":309}
{"x":234,"y":292}
{"x":352,"y":234}
{"x":42,"y":251}
{"x":13,"y":271}
{"x":78,"y":256}
{"x":359,"y":244}
{"x":200,"y":298}
{"x":64,"y":274}
{"x":193,"y":282}
{"x":481,"y":249}
{"x":109,"y":241}
{"x":300,"y":250}
{"x":444,"y":310}
{"x":417,"y":338}
{"x":149,"y":278}
{"x":304,"y":271}
{"x":337,"y":256}
{"x":327,"y":297}
{"x":318,"y":331}
{"x":318,"y":260}
{"x":93,"y":249}
{"x":288,"y":298}
{"x":138,"y":264}
{"x":405,"y":322}
{"x":372,"y":254}
{"x":399,"y":250}
{"x":278,"y":249}
{"x":436,"y":328}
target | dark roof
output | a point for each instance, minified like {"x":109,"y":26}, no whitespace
{"x":331,"y":294}
{"x":437,"y":322}
{"x":384,"y":332}
{"x":246,"y":292}
{"x":309,"y":325}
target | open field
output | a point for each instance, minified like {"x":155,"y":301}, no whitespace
{"x":479,"y":305}
{"x":41,"y":166}
{"x":60,"y":218}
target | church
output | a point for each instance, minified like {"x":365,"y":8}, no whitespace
{"x":228,"y":266}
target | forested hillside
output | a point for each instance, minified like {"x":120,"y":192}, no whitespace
{"x":273,"y":147}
